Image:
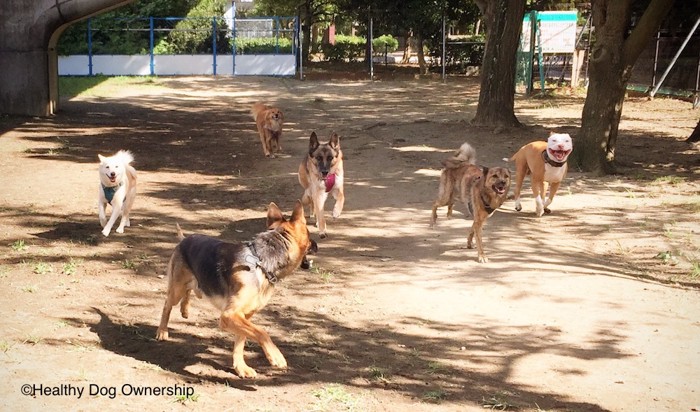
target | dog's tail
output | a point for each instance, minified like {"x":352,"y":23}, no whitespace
{"x":507,"y":159}
{"x":464,"y":155}
{"x":180,"y":235}
{"x":125,"y":156}
{"x":257,"y":108}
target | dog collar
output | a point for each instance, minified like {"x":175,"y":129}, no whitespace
{"x":254,"y":261}
{"x":330,"y":182}
{"x":109,"y":191}
{"x":549,"y":160}
{"x":487,"y":206}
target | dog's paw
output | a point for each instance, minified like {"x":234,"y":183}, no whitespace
{"x":103,"y":221}
{"x":244,"y":371}
{"x":120,"y":229}
{"x":483,"y":259}
{"x":322,"y":235}
{"x":277,"y":359}
{"x":105,"y":232}
{"x":162,"y":334}
{"x":336,"y":213}
{"x":547,"y":210}
{"x":518,"y":208}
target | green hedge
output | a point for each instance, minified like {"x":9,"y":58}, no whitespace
{"x":264,"y":45}
{"x":351,"y":48}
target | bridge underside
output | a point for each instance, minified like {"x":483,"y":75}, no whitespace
{"x":29,"y":32}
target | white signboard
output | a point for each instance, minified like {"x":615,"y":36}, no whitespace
{"x":557,"y":31}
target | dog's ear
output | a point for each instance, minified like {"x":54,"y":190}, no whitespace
{"x":335,"y":141}
{"x":102,"y":158}
{"x":485,"y":170}
{"x":313,"y":142}
{"x":298,"y":214}
{"x":274,"y":215}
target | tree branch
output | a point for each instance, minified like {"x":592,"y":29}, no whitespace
{"x":645,"y":29}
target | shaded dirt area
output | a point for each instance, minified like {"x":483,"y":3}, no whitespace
{"x":591,"y":308}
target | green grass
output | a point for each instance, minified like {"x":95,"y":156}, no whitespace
{"x":101,"y":86}
{"x":434,"y":396}
{"x":671,"y":180}
{"x":334,"y":398}
{"x":498,"y":401}
{"x":70,"y":267}
{"x":695,"y":270}
{"x":18,"y":246}
{"x":325,"y":275}
{"x":42,"y":268}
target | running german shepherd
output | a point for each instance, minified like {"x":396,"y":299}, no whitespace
{"x":482,"y":189}
{"x":320,"y":173}
{"x":238,"y":278}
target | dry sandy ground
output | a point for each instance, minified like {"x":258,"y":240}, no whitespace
{"x":592,"y":308}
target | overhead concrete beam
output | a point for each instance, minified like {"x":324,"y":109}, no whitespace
{"x":29,"y":33}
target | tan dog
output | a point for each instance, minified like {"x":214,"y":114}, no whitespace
{"x":483,"y":190}
{"x":545,"y":162}
{"x":269,"y":122}
{"x":321,"y":173}
{"x":117,"y":188}
{"x":238,"y":278}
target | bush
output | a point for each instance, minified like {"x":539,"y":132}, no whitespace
{"x":351,"y":48}
{"x":263,"y":45}
{"x":385,"y":43}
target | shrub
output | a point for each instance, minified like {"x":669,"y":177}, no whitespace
{"x":385,"y":43}
{"x":351,"y":48}
{"x":263,"y":45}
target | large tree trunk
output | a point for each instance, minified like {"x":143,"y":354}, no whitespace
{"x":610,"y":66}
{"x":695,"y":136}
{"x":306,"y":24}
{"x":503,"y":19}
{"x":422,"y":67}
{"x":407,"y":48}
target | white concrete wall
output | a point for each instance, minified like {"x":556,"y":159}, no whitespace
{"x":166,"y":65}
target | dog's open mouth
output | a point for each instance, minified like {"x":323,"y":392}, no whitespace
{"x":559,"y":155}
{"x":112,"y":179}
{"x":499,"y":188}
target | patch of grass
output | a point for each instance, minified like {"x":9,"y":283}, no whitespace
{"x":19,"y":246}
{"x":435,"y":367}
{"x":29,"y":288}
{"x":70,"y":267}
{"x":378,"y":374}
{"x":129,"y":264}
{"x":32,"y":339}
{"x":183,"y":399}
{"x":434,"y":396}
{"x":325,"y":275}
{"x":667,"y":258}
{"x":333,"y":398}
{"x":42,"y":268}
{"x":5,"y":346}
{"x":670,"y":180}
{"x":695,"y":269}
{"x":498,"y":401}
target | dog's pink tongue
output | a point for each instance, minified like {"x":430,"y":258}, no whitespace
{"x":330,"y":182}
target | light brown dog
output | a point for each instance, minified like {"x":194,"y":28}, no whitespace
{"x":545,"y":162}
{"x":238,"y":278}
{"x":482,"y":189}
{"x":269,"y":122}
{"x":321,"y":173}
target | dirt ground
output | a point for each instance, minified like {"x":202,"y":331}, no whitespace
{"x":592,"y":308}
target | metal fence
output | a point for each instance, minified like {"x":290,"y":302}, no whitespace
{"x":185,"y":46}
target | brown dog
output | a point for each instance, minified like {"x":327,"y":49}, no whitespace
{"x":482,"y":189}
{"x":321,"y":173}
{"x":269,"y":121}
{"x":544,"y":162}
{"x":238,"y":278}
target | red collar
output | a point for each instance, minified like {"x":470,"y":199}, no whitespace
{"x":330,"y":182}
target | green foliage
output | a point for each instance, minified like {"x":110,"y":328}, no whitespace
{"x":351,"y":48}
{"x":385,"y":43}
{"x":263,"y":45}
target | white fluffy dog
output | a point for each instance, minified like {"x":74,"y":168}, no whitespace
{"x":117,"y":188}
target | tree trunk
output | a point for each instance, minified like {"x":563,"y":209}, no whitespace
{"x":422,"y":67}
{"x":407,"y":48}
{"x":695,"y":136}
{"x":306,"y":24}
{"x":503,"y":20}
{"x":610,"y":66}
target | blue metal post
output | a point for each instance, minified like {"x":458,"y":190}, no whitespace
{"x":277,"y":35}
{"x":89,"y":33}
{"x":213,"y":24}
{"x":233,"y":37}
{"x":150,"y":47}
